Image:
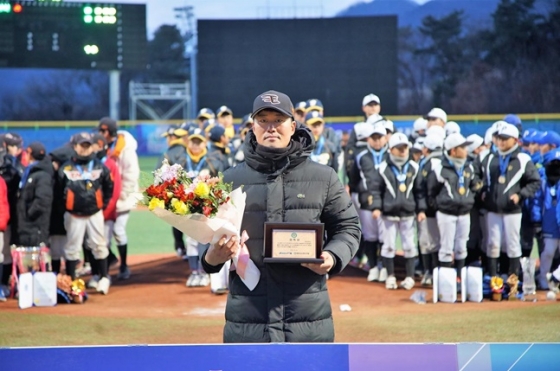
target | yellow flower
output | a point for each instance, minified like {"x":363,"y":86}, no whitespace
{"x":202,"y":190}
{"x":155,"y":202}
{"x":179,"y":207}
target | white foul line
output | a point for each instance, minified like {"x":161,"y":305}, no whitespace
{"x":474,"y":355}
{"x":521,"y":356}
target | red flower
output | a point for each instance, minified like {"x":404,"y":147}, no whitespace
{"x":206,"y":210}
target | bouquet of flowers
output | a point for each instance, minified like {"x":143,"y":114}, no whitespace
{"x":204,"y":208}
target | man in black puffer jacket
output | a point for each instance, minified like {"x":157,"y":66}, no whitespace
{"x":35,"y":197}
{"x":290,"y":302}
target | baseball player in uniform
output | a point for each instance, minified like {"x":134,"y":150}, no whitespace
{"x":396,"y":201}
{"x":368,"y":162}
{"x":510,"y":177}
{"x":546,"y":213}
{"x":452,"y":183}
{"x":428,"y":232}
{"x":88,"y":189}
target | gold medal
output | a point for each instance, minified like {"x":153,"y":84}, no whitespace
{"x":462,"y":190}
{"x":501,"y":179}
{"x":402,"y":187}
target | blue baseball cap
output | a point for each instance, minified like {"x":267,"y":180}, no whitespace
{"x":551,"y":155}
{"x":216,"y":133}
{"x":528,"y":136}
{"x":548,"y":137}
{"x":314,"y":117}
{"x":314,"y":105}
{"x":301,"y":106}
{"x":206,"y":113}
{"x":513,"y":119}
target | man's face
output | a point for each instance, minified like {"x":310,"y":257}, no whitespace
{"x":400,"y":151}
{"x":416,"y":156}
{"x":317,"y":129}
{"x":376,"y":141}
{"x":105,"y":134}
{"x":273,"y":129}
{"x":196,"y":146}
{"x":13,"y":150}
{"x":83,"y":149}
{"x":478,"y":150}
{"x":371,"y":108}
{"x":226,"y":120}
{"x":435,"y":121}
{"x":299,"y":115}
{"x":533,"y":148}
{"x":505,"y":143}
{"x":545,"y":148}
{"x":459,"y":152}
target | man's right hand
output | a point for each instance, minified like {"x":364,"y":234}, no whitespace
{"x":376,"y":214}
{"x":222,"y":251}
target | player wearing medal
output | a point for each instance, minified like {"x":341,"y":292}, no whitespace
{"x":509,"y":178}
{"x":396,"y":201}
{"x":88,"y":188}
{"x":325,"y":151}
{"x":452,"y":183}
{"x":428,"y":232}
{"x":368,"y":161}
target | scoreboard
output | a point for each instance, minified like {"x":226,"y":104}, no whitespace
{"x":70,"y":35}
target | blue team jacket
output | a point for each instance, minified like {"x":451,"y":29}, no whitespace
{"x":546,"y":209}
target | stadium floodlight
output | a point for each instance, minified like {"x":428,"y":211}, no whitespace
{"x":88,"y":18}
{"x":91,"y":49}
{"x":5,"y":8}
{"x":88,"y":10}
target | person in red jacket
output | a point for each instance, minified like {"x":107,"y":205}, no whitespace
{"x":100,"y":147}
{"x":4,"y":218}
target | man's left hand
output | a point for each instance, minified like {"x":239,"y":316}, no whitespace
{"x":324,"y":267}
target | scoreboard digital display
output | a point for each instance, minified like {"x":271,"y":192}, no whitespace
{"x":70,"y":35}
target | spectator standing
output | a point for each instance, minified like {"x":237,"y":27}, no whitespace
{"x":122,"y":149}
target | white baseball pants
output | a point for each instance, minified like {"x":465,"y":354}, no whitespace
{"x":77,"y":227}
{"x":454,"y":234}
{"x":403,"y":226}
{"x":371,"y":228}
{"x":503,"y":229}
{"x":428,"y":236}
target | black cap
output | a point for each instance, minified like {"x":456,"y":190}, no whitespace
{"x":82,"y":138}
{"x":98,"y":139}
{"x":216,"y":133}
{"x":273,"y":100}
{"x":13,"y":139}
{"x":37,"y":150}
{"x":108,"y":124}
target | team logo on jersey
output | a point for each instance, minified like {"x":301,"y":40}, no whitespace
{"x":409,"y":175}
{"x":370,"y":200}
{"x":466,"y":174}
{"x":75,"y":175}
{"x":270,"y":98}
{"x":510,"y":168}
{"x":424,"y":173}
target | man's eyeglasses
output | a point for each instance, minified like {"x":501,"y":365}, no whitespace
{"x":103,"y":130}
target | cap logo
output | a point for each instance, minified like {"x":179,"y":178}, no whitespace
{"x":270,"y":98}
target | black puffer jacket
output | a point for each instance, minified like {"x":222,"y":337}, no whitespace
{"x":522,"y":178}
{"x":59,"y":156}
{"x":443,"y":187}
{"x":290,"y":302}
{"x":34,"y":204}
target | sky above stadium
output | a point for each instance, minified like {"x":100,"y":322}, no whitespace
{"x":161,"y":11}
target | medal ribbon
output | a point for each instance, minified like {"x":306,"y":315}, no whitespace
{"x":401,"y":175}
{"x":504,"y":162}
{"x":86,"y":176}
{"x":460,"y":174}
{"x":319,"y":147}
{"x":377,"y":155}
{"x":198,"y":167}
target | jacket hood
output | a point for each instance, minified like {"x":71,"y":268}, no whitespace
{"x":62,"y":154}
{"x":45,"y":165}
{"x":129,"y":140}
{"x":273,"y":160}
